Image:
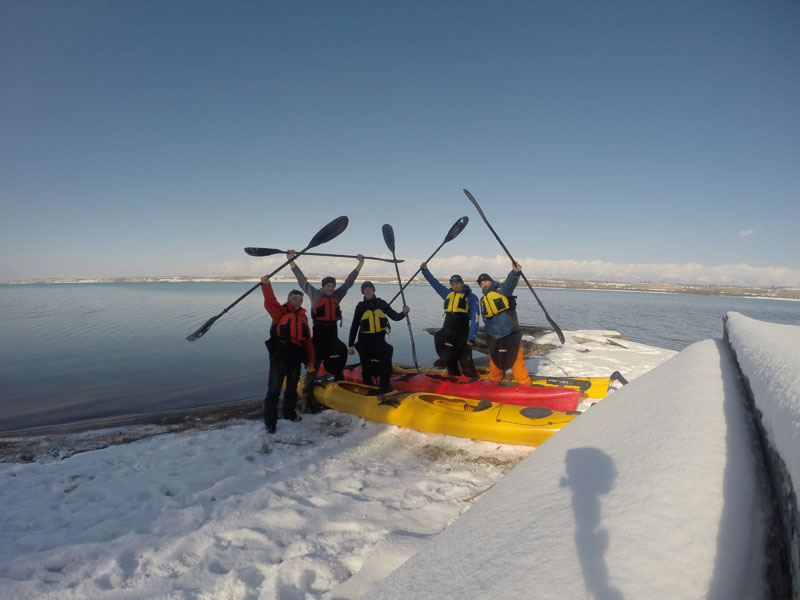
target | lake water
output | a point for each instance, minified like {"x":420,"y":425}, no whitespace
{"x":71,"y":352}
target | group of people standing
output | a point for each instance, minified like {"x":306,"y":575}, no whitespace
{"x":293,"y":343}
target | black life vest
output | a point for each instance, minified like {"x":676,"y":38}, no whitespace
{"x":374,"y":321}
{"x":456,"y":303}
{"x":327,"y":310}
{"x":456,"y":311}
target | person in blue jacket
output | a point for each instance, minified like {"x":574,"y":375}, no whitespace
{"x":498,"y":307}
{"x":455,"y":339}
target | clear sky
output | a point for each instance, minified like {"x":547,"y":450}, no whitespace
{"x":625,"y":139}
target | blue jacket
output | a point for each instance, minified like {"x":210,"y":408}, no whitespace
{"x":472,"y":300}
{"x":501,"y":325}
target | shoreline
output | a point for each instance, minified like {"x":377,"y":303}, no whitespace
{"x":61,"y":441}
{"x":772,"y":293}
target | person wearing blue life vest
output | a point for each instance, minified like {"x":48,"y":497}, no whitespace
{"x":455,"y":339}
{"x":498,"y":307}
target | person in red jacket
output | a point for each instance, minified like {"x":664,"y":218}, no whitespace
{"x":289,"y":345}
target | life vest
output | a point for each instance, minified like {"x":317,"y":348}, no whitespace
{"x":327,"y":310}
{"x":493,"y":303}
{"x":293,"y":327}
{"x":456,"y":303}
{"x":374,"y":321}
{"x":456,"y":312}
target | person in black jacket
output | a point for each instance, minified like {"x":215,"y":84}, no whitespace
{"x":370,"y":323}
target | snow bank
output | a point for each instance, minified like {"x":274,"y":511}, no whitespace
{"x":652,"y":493}
{"x":769,"y":359}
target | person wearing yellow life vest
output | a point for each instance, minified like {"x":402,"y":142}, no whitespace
{"x":289,"y":345}
{"x":498,"y":307}
{"x":326,"y":314}
{"x":370,"y":324}
{"x":455,"y":339}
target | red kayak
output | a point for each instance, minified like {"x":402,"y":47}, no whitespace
{"x":506,"y":392}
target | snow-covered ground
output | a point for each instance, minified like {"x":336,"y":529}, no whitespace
{"x":330,"y":506}
{"x":657,"y":492}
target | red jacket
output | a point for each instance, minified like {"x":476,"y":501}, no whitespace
{"x":290,"y":324}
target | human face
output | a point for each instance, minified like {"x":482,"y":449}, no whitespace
{"x":369,"y":293}
{"x":296,"y":302}
{"x":329,"y":288}
{"x":485,"y":285}
{"x":457,"y":286}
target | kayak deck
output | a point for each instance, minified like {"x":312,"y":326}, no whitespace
{"x":436,"y":413}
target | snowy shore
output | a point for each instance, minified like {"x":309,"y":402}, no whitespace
{"x":330,"y":506}
{"x":324,"y":509}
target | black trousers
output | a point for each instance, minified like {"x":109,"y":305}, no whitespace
{"x":329,"y":350}
{"x":284,"y":363}
{"x":451,"y":346}
{"x":375,"y":354}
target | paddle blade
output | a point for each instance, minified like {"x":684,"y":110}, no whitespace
{"x":475,"y":204}
{"x":203,"y":330}
{"x":330,"y":231}
{"x":457,"y":228}
{"x":388,"y":237}
{"x":262,"y":251}
{"x":617,"y":376}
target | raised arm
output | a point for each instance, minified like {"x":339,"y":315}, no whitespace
{"x":313,"y":293}
{"x":440,"y":289}
{"x":270,"y":301}
{"x":341,"y":291}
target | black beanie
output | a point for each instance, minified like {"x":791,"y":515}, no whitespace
{"x":327,"y":280}
{"x":367,"y":284}
{"x":484,"y":277}
{"x":456,"y":279}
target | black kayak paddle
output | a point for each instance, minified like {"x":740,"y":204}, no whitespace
{"x":270,"y":251}
{"x":547,"y":316}
{"x":326,"y":234}
{"x":388,"y":237}
{"x":457,"y":228}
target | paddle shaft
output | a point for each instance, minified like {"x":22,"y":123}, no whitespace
{"x":417,"y":272}
{"x":207,"y":325}
{"x":271,"y":251}
{"x":388,"y":237}
{"x":408,"y":320}
{"x":326,"y":234}
{"x":525,"y":279}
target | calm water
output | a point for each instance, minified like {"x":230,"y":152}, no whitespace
{"x":70,"y":352}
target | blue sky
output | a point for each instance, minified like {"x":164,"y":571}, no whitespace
{"x":645,"y":140}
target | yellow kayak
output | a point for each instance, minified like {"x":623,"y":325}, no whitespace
{"x":432,"y":413}
{"x":592,"y":387}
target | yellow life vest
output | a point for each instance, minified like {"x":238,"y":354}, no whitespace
{"x":374,"y":321}
{"x":456,"y":303}
{"x":493,"y":303}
